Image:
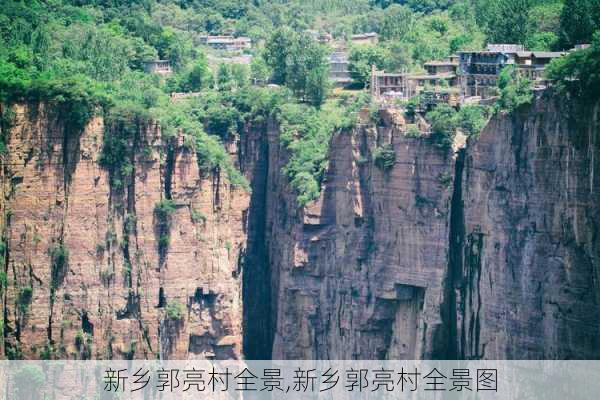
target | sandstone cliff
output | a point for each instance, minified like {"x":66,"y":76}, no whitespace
{"x":525,"y":244}
{"x":492,"y":251}
{"x":86,"y":275}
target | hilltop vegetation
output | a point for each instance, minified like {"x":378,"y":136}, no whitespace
{"x":87,"y":56}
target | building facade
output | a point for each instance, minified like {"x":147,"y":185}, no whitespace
{"x":364,"y":38}
{"x":160,"y":67}
{"x":227,"y":42}
{"x":338,"y":69}
{"x":479,"y":70}
{"x":441,"y":78}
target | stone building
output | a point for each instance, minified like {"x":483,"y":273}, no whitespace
{"x":532,"y":64}
{"x":479,"y":70}
{"x":321,"y":37}
{"x":364,"y":38}
{"x":390,"y":85}
{"x":435,"y":67}
{"x":160,"y":67}
{"x":338,"y":69}
{"x":227,"y":42}
{"x":441,"y":78}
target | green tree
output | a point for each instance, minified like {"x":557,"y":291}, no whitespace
{"x":307,"y":70}
{"x":300,"y":63}
{"x":259,"y":70}
{"x":361,"y":59}
{"x":579,"y":20}
{"x":197,"y":77}
{"x":240,"y":74}
{"x":443,"y":121}
{"x":508,"y":20}
{"x":224,"y":77}
{"x":515,"y":91}
{"x":277,"y":50}
{"x":397,"y":22}
{"x":579,"y":72}
{"x":472,"y":118}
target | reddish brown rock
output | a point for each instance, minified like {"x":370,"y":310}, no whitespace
{"x":115,"y":289}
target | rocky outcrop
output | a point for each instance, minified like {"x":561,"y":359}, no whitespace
{"x":91,"y":271}
{"x":525,"y":276}
{"x":489,"y":253}
{"x":359,"y":273}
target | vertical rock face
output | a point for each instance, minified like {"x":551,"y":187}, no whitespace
{"x":492,"y":253}
{"x":359,"y":274}
{"x":489,"y":252}
{"x":526,"y":271}
{"x":91,"y":269}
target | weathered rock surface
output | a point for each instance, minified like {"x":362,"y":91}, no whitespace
{"x":527,"y":245}
{"x":109,"y":300}
{"x":360,"y":272}
{"x":490,"y":252}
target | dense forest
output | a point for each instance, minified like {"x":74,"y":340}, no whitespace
{"x":86,"y":57}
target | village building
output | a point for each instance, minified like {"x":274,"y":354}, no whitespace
{"x":227,"y":42}
{"x":448,"y":66}
{"x":390,"y":85}
{"x":364,"y":38}
{"x":338,"y":69}
{"x":321,"y":37}
{"x":325,"y":38}
{"x":469,"y":77}
{"x":479,"y":70}
{"x":532,"y":64}
{"x":441,"y":79}
{"x":160,"y":67}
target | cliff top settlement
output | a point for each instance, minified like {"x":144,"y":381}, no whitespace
{"x":467,"y":76}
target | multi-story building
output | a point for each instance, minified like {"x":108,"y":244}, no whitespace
{"x":338,"y":69}
{"x":448,"y":66}
{"x":468,"y":76}
{"x":479,"y":70}
{"x":532,"y":64}
{"x":441,"y":77}
{"x":321,"y":37}
{"x":387,"y":84}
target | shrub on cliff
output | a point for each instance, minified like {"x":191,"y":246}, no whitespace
{"x":306,"y":132}
{"x":578,"y":73}
{"x":216,"y":112}
{"x":385,"y":157}
{"x":174,"y":311}
{"x":472,"y":118}
{"x":24,"y":298}
{"x":515,"y":90}
{"x":59,"y":259}
{"x":443,"y":121}
{"x":163,"y":211}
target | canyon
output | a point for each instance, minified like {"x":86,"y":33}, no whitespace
{"x":488,"y":250}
